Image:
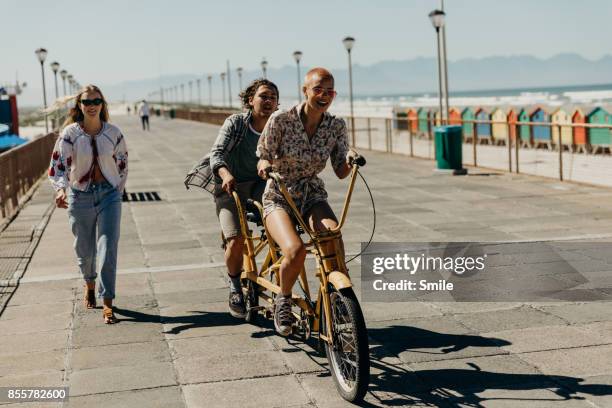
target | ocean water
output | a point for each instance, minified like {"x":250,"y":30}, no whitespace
{"x":584,"y":96}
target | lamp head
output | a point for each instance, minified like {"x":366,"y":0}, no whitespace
{"x":41,"y":53}
{"x":348,"y":43}
{"x":437,"y":18}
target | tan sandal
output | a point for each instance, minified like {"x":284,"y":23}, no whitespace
{"x":109,"y":316}
{"x":90,"y":298}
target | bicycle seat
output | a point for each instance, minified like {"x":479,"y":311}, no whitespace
{"x":252,"y":213}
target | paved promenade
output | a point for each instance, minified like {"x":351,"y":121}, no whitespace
{"x":176,"y":345}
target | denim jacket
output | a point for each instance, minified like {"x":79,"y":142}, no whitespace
{"x":204,"y":172}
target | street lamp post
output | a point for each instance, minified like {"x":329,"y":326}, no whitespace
{"x":348,"y":44}
{"x":239,"y":71}
{"x":264,"y":67}
{"x":444,"y":60}
{"x":41,"y":53}
{"x":55,"y":67}
{"x":209,"y":78}
{"x":223,"y":86}
{"x":437,"y":20}
{"x":297,"y":55}
{"x":183,"y":93}
{"x":229,"y":84}
{"x":190,"y":91}
{"x":64,"y":75}
{"x":199,"y":83}
{"x":71,"y":82}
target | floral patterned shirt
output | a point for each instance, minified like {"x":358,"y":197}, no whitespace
{"x":72,"y":158}
{"x":299,"y":159}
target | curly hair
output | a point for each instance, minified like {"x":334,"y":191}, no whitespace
{"x":251,"y":90}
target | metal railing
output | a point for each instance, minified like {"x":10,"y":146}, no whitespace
{"x":383,"y":134}
{"x":20,"y":169}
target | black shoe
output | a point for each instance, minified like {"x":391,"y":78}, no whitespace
{"x":283,"y":318}
{"x":236,"y":305}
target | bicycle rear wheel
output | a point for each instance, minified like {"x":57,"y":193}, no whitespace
{"x":349,"y":358}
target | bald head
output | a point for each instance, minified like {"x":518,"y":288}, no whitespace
{"x":316,"y":75}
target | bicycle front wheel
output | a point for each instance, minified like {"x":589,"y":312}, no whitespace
{"x":349,"y":357}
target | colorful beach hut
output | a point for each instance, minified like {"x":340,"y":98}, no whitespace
{"x":413,"y":124}
{"x":541,"y":133}
{"x":579,"y":132}
{"x":500,"y":129}
{"x":454,"y":117}
{"x":467,"y":115}
{"x":598,"y":137}
{"x":483,"y":129}
{"x":512,"y":118}
{"x":524,"y":129}
{"x":559,"y":118}
{"x":423,"y":115}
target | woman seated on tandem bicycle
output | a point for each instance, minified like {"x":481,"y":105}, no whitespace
{"x":297,"y":144}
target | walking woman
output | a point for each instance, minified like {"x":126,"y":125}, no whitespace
{"x":88,"y":172}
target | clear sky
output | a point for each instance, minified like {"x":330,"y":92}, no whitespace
{"x":114,"y":40}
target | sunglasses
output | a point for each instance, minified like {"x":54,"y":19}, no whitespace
{"x":320,"y":91}
{"x":89,"y":102}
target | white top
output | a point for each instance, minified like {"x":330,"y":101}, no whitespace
{"x":72,"y":157}
{"x":144,"y":109}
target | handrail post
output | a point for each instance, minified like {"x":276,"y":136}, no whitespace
{"x":560,"y":153}
{"x":474,"y":138}
{"x":509,"y":143}
{"x":516,"y":147}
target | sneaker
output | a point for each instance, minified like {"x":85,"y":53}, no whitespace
{"x":236,"y":305}
{"x":283,"y":318}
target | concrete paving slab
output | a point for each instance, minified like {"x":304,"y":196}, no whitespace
{"x":35,"y":325}
{"x":165,"y":300}
{"x":199,"y":347}
{"x":575,"y":362}
{"x":209,"y":319}
{"x":248,"y":393}
{"x":37,"y":379}
{"x":119,"y":355}
{"x":121,"y":333}
{"x":164,"y":397}
{"x":114,"y":379}
{"x":399,"y":389}
{"x":582,"y":313}
{"x":36,"y":310}
{"x":374,"y":311}
{"x":214,"y":368}
{"x":33,"y":342}
{"x":548,"y":338}
{"x":508,"y":319}
{"x":29,"y":363}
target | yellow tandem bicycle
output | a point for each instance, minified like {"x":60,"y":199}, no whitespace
{"x":335,"y":315}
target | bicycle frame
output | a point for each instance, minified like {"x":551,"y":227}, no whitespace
{"x":325,"y":245}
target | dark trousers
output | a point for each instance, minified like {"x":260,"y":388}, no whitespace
{"x":145,"y":120}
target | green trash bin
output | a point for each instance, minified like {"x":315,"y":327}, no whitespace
{"x":172,"y":113}
{"x":448,"y":142}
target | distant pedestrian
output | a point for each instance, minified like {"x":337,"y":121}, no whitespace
{"x":88,"y":172}
{"x":143,"y":111}
{"x":129,"y":110}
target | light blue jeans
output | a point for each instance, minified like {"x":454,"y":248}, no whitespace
{"x":95,"y":219}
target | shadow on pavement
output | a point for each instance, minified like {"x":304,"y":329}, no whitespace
{"x":454,"y":387}
{"x":195,"y":320}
